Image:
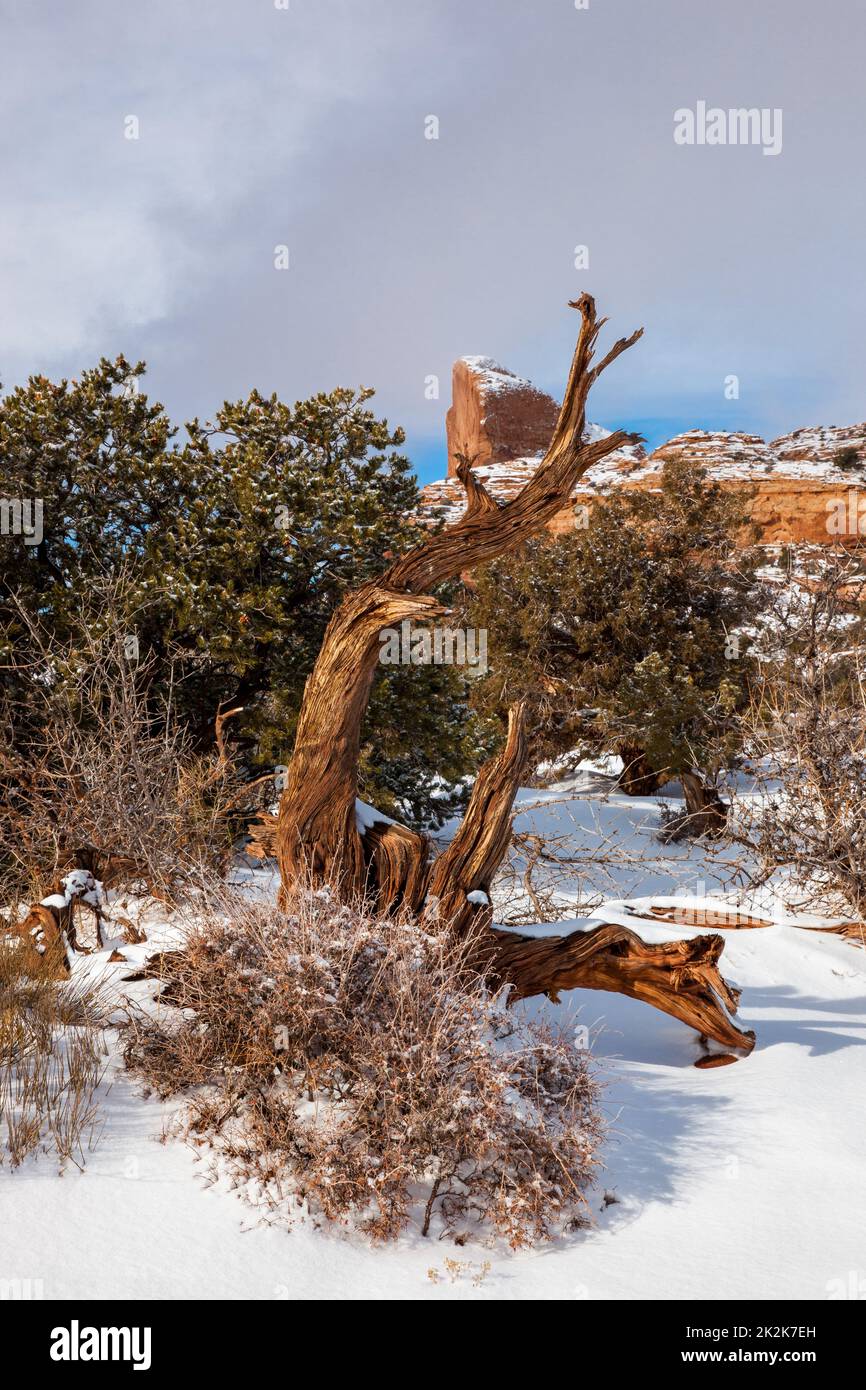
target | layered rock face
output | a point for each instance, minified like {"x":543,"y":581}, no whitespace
{"x":496,"y":416}
{"x":796,"y":482}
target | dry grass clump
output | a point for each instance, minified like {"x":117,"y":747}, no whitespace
{"x":358,"y":1071}
{"x":52,"y":1059}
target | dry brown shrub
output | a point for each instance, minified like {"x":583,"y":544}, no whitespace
{"x":358,"y":1071}
{"x":806,"y":734}
{"x":96,"y":771}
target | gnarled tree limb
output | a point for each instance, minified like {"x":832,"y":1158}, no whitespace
{"x":681,"y":978}
{"x":472,"y":858}
{"x":316,"y":835}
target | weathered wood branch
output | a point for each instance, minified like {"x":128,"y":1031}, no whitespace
{"x":316,"y":835}
{"x":317,"y":838}
{"x":681,"y":978}
{"x":398,"y":866}
{"x":472,"y":858}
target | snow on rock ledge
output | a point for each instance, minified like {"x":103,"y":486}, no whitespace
{"x":506,"y":423}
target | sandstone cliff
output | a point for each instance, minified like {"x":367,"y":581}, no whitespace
{"x":506,"y":423}
{"x":495,"y":415}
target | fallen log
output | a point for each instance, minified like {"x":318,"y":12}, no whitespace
{"x":735,"y":920}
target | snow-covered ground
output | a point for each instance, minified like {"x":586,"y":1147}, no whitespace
{"x":744,"y":1181}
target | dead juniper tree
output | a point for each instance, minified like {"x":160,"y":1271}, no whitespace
{"x":317,"y":837}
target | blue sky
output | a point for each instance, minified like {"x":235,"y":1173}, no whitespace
{"x":305,"y":127}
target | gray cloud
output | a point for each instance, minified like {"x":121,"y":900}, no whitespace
{"x":306,"y":127}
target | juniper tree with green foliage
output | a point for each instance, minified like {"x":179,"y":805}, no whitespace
{"x":237,"y":545}
{"x":297,"y":505}
{"x":625,"y":635}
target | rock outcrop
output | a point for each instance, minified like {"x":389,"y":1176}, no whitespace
{"x":496,"y":416}
{"x":795,"y":483}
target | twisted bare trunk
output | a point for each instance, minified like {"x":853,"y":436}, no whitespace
{"x":638,"y":777}
{"x":317,"y":837}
